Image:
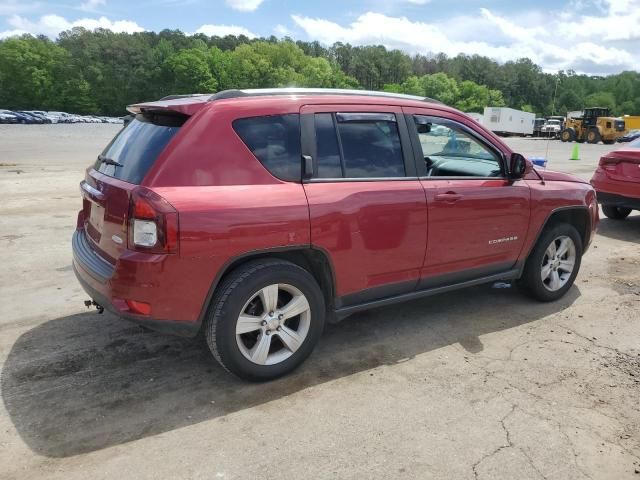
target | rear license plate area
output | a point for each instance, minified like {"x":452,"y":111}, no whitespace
{"x":96,"y":220}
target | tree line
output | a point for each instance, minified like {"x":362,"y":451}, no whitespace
{"x":100,"y":72}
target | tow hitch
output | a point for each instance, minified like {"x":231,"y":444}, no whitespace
{"x":89,"y":303}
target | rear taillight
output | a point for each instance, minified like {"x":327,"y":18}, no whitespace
{"x":609,"y":164}
{"x":152,"y":223}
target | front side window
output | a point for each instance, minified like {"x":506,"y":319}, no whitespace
{"x":358,"y":145}
{"x":450,"y":151}
{"x":275,"y":141}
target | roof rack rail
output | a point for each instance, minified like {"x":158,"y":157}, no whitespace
{"x":187,"y":95}
{"x":262,"y":92}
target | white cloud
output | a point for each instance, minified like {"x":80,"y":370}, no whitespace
{"x":92,"y":5}
{"x":222,"y":30}
{"x":561,"y":42}
{"x":52,"y":25}
{"x":281,"y":30}
{"x":244,"y":5}
{"x":12,"y":7}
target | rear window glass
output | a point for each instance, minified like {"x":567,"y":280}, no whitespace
{"x":275,"y":141}
{"x":136,"y":148}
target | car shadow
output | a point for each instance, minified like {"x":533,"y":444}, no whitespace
{"x":627,"y":230}
{"x":85,"y":382}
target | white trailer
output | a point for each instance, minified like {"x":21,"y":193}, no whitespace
{"x":508,"y":121}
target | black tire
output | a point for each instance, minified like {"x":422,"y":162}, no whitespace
{"x":531,"y":282}
{"x":608,"y":142}
{"x":616,"y":213}
{"x":568,"y":135}
{"x":593,"y":136}
{"x":237,"y":288}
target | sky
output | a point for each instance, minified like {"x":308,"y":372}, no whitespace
{"x":596,"y":37}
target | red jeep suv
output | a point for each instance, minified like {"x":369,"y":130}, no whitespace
{"x":254,"y":215}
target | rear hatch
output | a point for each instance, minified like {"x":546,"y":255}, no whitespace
{"x":117,"y":172}
{"x":623,"y":165}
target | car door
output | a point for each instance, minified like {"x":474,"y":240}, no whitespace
{"x":478,"y":217}
{"x":367,"y":207}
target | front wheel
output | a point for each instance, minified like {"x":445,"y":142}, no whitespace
{"x":616,"y":213}
{"x":593,"y":136}
{"x":553,"y":264}
{"x":568,"y":135}
{"x":265,"y":320}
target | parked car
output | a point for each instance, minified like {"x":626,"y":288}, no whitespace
{"x":617,"y":181}
{"x":7,"y":116}
{"x":22,"y":118}
{"x":630,"y":136}
{"x":39,"y":115}
{"x":31,"y":118}
{"x":64,"y":117}
{"x":271,"y":211}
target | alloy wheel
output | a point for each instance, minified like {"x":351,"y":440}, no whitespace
{"x":558,"y":263}
{"x":273,"y":324}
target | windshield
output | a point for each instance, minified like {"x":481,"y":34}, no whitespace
{"x":133,"y":151}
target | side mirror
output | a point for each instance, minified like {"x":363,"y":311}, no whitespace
{"x":519,"y":166}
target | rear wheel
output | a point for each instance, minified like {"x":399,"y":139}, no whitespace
{"x":608,"y":142}
{"x":593,"y":136}
{"x":553,"y":264}
{"x":265,"y":320}
{"x":568,"y":135}
{"x":616,"y":213}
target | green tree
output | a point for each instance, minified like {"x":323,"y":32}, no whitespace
{"x":601,"y":99}
{"x":440,"y":87}
{"x":190,"y":72}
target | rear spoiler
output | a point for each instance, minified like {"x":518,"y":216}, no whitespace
{"x":185,"y":105}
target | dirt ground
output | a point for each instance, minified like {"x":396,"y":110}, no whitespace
{"x":476,"y":384}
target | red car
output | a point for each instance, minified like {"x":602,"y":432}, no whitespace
{"x":254,"y":215}
{"x":617,"y":181}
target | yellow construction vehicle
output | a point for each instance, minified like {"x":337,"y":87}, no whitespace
{"x":594,"y":125}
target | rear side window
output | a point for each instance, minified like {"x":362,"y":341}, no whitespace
{"x":137,"y":147}
{"x":275,"y":141}
{"x":358,"y":145}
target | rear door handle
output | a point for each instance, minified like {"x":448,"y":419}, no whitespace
{"x":449,"y":197}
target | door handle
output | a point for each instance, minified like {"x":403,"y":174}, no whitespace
{"x":450,"y":197}
{"x":307,"y":166}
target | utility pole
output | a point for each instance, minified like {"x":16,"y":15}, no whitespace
{"x":555,"y":92}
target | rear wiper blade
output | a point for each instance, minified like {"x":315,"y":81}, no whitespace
{"x":109,"y":161}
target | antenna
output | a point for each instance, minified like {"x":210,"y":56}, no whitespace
{"x":553,"y":111}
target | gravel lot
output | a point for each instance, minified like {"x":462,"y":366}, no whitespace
{"x":481,"y":383}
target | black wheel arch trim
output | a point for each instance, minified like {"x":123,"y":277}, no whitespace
{"x":584,"y":208}
{"x":238,"y":260}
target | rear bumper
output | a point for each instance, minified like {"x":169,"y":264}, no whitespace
{"x":614,"y":200}
{"x":109,"y":286}
{"x":616,"y":193}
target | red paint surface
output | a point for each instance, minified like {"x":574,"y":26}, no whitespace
{"x":619,"y":173}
